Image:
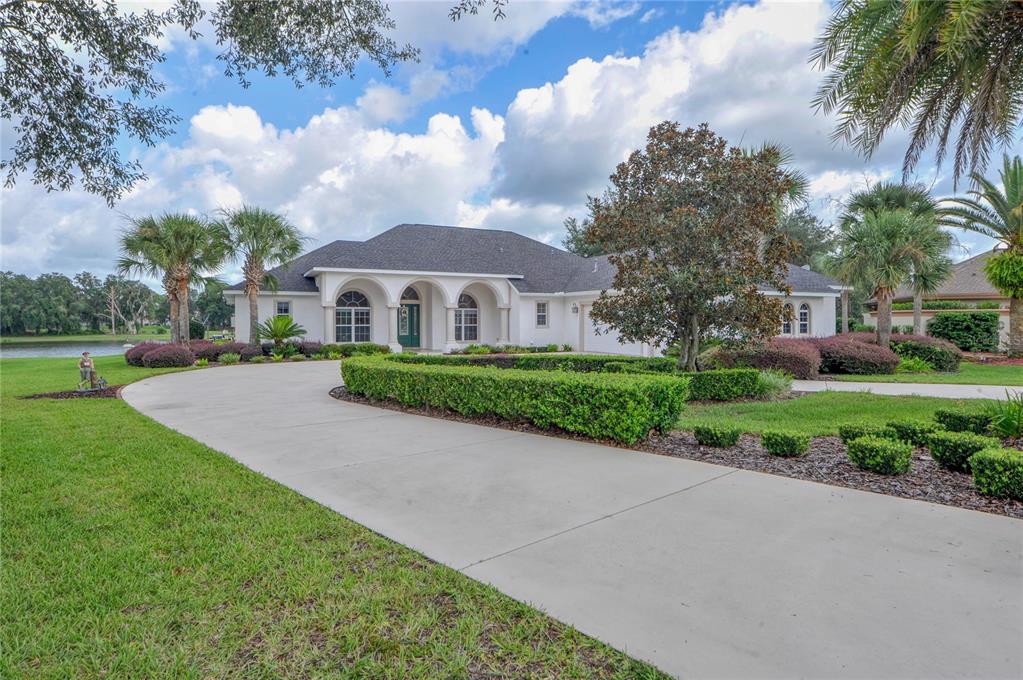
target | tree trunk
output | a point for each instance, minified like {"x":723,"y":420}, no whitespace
{"x":845,"y":311}
{"x":113,"y":317}
{"x":689,"y":346}
{"x":253,"y":316}
{"x":1015,"y":327}
{"x":918,"y":312}
{"x":183,"y":311}
{"x":884,"y":319}
{"x":174,"y":327}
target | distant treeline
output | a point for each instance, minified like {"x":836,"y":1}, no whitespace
{"x":58,"y":305}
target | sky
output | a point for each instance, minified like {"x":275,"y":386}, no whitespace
{"x":505,"y":124}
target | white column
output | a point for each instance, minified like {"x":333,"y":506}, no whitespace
{"x":392,"y":328}
{"x":450,"y":343}
{"x":328,"y":324}
{"x":582,"y":328}
{"x":503,"y":337}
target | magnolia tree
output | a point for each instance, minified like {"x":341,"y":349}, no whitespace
{"x":692,"y":227}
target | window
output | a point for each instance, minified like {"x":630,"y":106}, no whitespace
{"x":352,"y":318}
{"x":541,"y":315}
{"x":804,"y":319}
{"x":467,"y":319}
{"x":786,"y":322}
{"x":410,"y":294}
{"x":283,"y":308}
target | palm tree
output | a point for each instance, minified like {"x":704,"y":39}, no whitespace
{"x":178,"y":249}
{"x":279,"y":329}
{"x":926,"y":278}
{"x":262,"y":240}
{"x":917,"y":200}
{"x":881,"y":251}
{"x":931,"y":67}
{"x":998,"y":214}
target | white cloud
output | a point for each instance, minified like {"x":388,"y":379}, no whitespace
{"x":346,"y":174}
{"x":603,"y":14}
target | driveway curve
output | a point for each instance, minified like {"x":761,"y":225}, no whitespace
{"x":705,"y":571}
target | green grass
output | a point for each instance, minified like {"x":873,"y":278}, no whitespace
{"x":820,"y":413}
{"x":92,"y":337}
{"x":132,"y":551}
{"x":969,"y":374}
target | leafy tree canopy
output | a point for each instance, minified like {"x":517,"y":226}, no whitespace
{"x":811,"y":238}
{"x":77,"y":77}
{"x":691,"y":225}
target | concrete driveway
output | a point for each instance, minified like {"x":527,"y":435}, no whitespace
{"x":705,"y":571}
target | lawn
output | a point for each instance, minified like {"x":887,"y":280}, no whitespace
{"x":969,"y":374}
{"x":92,"y":337}
{"x":133,"y":551}
{"x":820,"y":413}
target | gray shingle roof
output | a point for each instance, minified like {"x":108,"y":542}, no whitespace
{"x":968,"y":280}
{"x":423,"y":247}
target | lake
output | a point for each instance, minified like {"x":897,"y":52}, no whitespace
{"x":60,"y":349}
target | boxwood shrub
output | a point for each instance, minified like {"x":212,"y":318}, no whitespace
{"x":165,"y":356}
{"x":725,"y":384}
{"x":998,"y":472}
{"x":783,"y":443}
{"x":970,"y":331}
{"x":961,"y":420}
{"x":851,"y":431}
{"x":884,"y":456}
{"x":133,"y":357}
{"x":717,"y":435}
{"x":623,"y":408}
{"x":915,"y":432}
{"x":952,"y":450}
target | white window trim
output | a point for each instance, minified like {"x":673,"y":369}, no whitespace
{"x":790,"y":322}
{"x":546,"y":313}
{"x":291,"y":308}
{"x":799,"y":321}
{"x":352,"y":325}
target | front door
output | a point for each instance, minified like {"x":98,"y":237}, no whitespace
{"x":408,"y":325}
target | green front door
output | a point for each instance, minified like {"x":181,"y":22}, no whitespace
{"x":408,"y":325}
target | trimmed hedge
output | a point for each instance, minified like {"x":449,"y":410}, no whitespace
{"x":620,"y":407}
{"x":351,"y":349}
{"x":883,"y":456}
{"x":713,"y":385}
{"x":844,"y":355}
{"x":717,"y":435}
{"x":134,"y":355}
{"x":782,"y":443}
{"x":204,"y":349}
{"x":798,"y":358}
{"x":851,"y":431}
{"x":915,"y":432}
{"x":961,"y":420}
{"x":166,"y":356}
{"x":998,"y":472}
{"x":942,"y":355}
{"x":727,"y":384}
{"x":952,"y":450}
{"x":969,"y":331}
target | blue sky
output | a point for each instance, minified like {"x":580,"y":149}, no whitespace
{"x":506,"y":124}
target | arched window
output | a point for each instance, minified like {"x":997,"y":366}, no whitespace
{"x":804,"y":319}
{"x":410,"y":294}
{"x":467,"y":319}
{"x":352,"y":318}
{"x":786,"y":319}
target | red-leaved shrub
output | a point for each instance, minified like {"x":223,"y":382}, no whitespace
{"x":798,"y":358}
{"x":166,"y":356}
{"x":842,"y":354}
{"x":204,"y":349}
{"x":941,"y":354}
{"x":134,"y":355}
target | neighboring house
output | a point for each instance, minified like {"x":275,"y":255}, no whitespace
{"x":439,"y":288}
{"x":967,"y":285}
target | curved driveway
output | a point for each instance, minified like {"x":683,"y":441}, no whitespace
{"x":705,"y":571}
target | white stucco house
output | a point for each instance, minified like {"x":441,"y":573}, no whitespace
{"x":439,"y":288}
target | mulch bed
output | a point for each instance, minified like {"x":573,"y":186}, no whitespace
{"x":825,"y":462}
{"x":991,"y":358}
{"x":110,"y":392}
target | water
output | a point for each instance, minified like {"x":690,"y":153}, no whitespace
{"x":60,"y":349}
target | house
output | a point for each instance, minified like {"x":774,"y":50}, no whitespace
{"x":439,"y":288}
{"x":966,"y":288}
